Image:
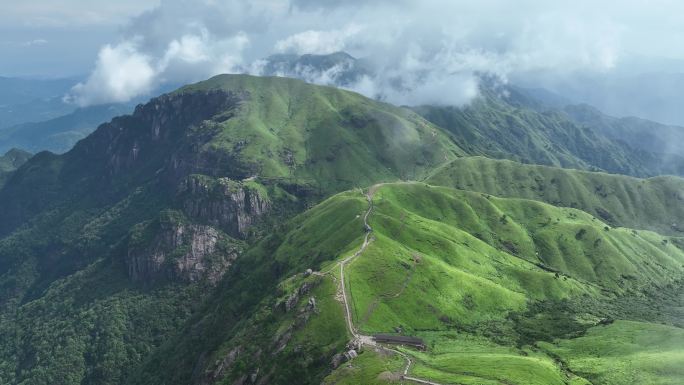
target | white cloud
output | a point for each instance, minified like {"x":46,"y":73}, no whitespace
{"x":194,"y":57}
{"x":121,"y":73}
{"x":433,"y":49}
{"x":318,"y":42}
{"x":34,"y":42}
{"x":435,"y":89}
{"x":556,"y":40}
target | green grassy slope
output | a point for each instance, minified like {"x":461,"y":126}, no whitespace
{"x":653,"y":204}
{"x":474,"y":276}
{"x":72,"y":215}
{"x":479,"y":278}
{"x":503,"y":253}
{"x":286,"y":128}
{"x":625,"y":352}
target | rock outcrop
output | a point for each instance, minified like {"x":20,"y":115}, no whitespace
{"x":180,"y":251}
{"x":224,"y":203}
{"x":135,"y":141}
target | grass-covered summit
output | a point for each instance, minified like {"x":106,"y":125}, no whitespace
{"x":236,"y":126}
{"x":286,"y":128}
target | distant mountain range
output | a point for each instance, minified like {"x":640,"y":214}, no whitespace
{"x":59,"y":134}
{"x":35,"y":117}
{"x":30,"y":100}
{"x":520,"y":127}
{"x":655,"y":146}
{"x":649,"y":95}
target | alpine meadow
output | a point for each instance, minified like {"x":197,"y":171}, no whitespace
{"x":297,"y":192}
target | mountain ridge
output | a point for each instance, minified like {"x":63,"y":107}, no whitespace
{"x":195,"y":242}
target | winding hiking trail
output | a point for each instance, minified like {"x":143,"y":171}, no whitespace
{"x":358,"y":338}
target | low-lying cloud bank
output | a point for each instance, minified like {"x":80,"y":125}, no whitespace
{"x":415,"y":52}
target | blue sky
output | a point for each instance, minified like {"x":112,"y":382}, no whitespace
{"x":55,"y":38}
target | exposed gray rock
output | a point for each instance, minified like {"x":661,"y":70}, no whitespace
{"x":340,"y":358}
{"x":221,"y":367}
{"x":311,"y":305}
{"x":253,"y":376}
{"x":337,"y":360}
{"x":223,"y":203}
{"x":291,"y":301}
{"x":180,"y":251}
{"x":131,"y":141}
{"x":306,"y":288}
{"x":282,"y":340}
{"x":351,"y":354}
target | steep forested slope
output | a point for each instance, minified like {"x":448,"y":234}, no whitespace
{"x":507,"y":124}
{"x":11,"y":161}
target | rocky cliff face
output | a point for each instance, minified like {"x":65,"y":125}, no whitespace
{"x":180,"y":251}
{"x":199,"y":242}
{"x":154,"y":131}
{"x":159,"y":142}
{"x":224,"y":203}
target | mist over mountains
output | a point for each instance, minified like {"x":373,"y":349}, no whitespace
{"x":646,"y":139}
{"x":341,"y":193}
{"x":431,"y":48}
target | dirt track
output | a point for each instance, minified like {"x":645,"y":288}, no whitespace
{"x":359,"y":338}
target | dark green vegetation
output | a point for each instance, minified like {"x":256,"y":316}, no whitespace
{"x":171,"y":246}
{"x":9,"y":162}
